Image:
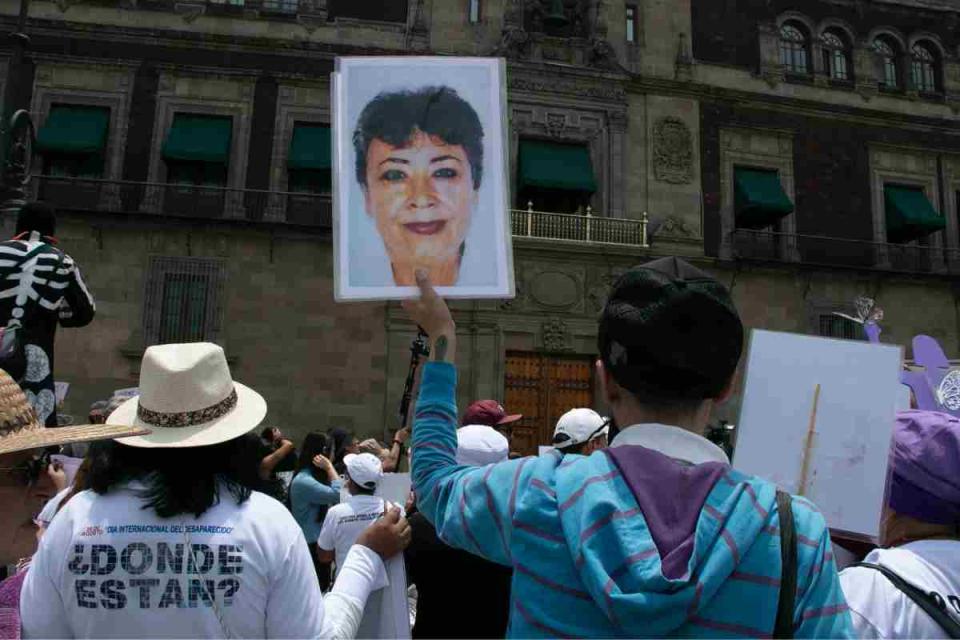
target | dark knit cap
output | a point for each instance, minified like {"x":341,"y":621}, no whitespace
{"x":670,"y":332}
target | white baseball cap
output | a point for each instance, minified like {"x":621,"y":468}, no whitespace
{"x":479,"y":445}
{"x":578,"y":426}
{"x":365,"y":469}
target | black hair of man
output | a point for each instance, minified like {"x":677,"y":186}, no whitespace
{"x":395,"y":118}
{"x":39,"y":217}
{"x":356,"y":489}
{"x":670,"y":334}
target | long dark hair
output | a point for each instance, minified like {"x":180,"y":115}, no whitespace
{"x":314,"y":443}
{"x":340,"y":439}
{"x":184,"y":480}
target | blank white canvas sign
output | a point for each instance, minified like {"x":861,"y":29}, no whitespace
{"x":394,"y":487}
{"x":859,"y":394}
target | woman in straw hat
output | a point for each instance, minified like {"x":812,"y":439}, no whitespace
{"x":173,"y":540}
{"x":26,"y":481}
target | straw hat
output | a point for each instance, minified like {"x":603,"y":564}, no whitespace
{"x":20,"y":429}
{"x":188,"y":399}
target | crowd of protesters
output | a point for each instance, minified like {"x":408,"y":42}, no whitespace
{"x":187,"y":518}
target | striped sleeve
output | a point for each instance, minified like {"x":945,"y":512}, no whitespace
{"x":471,"y":507}
{"x":821,"y":610}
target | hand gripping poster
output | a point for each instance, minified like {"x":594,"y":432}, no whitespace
{"x":420,"y":177}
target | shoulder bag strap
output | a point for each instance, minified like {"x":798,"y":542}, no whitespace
{"x":923,"y":600}
{"x":788,"y":572}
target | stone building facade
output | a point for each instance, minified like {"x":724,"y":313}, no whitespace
{"x":672,"y":101}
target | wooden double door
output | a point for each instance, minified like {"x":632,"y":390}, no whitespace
{"x":543,"y":387}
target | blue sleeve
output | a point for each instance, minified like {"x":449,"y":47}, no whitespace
{"x":821,"y":609}
{"x":471,"y":507}
{"x":319,"y":494}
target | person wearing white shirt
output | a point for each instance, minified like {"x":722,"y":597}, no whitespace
{"x":172,"y":541}
{"x":387,"y":613}
{"x":920,"y":536}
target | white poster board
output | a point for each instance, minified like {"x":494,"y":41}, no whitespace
{"x":395,"y":487}
{"x":420,"y":177}
{"x":846,"y":469}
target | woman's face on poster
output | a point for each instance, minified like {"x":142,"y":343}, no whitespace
{"x":421,"y":197}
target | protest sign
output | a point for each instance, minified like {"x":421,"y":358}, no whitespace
{"x":394,"y":487}
{"x":420,"y":177}
{"x":817,"y":419}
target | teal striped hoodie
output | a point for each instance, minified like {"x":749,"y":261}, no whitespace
{"x":625,"y":542}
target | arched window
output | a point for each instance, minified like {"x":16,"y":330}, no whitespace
{"x":886,"y":52}
{"x":836,"y":61}
{"x":793,"y":48}
{"x":923,"y":70}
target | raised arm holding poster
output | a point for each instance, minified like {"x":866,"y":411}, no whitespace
{"x":420,"y":178}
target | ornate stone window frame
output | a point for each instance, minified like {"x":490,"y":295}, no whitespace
{"x":771,"y":69}
{"x":159,"y":267}
{"x":951,"y":209}
{"x":905,"y":166}
{"x":602,"y":127}
{"x":240,"y":110}
{"x":931,"y":42}
{"x":290,"y":110}
{"x":763,"y":149}
{"x":849,"y":38}
{"x":47,"y":91}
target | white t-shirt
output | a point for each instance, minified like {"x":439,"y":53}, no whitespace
{"x":49,"y":510}
{"x":880,"y":610}
{"x":387,"y":613}
{"x":107,"y":568}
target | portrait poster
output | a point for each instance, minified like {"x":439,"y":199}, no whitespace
{"x":420,"y":177}
{"x":817,"y":420}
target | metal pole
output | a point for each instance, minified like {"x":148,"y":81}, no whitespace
{"x":13,"y":169}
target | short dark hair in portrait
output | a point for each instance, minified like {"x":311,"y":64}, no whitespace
{"x":39,"y":217}
{"x":436,"y":111}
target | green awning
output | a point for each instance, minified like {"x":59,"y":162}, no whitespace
{"x":909,"y":214}
{"x":759,"y":198}
{"x":74,"y":130}
{"x":199,"y":138}
{"x":550,"y":165}
{"x":310,"y":147}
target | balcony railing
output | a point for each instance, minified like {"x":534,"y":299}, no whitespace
{"x":189,"y":201}
{"x":528,"y":223}
{"x":841,"y":252}
{"x":310,"y":209}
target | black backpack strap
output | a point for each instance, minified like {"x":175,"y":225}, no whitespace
{"x":788,"y":567}
{"x":923,"y":600}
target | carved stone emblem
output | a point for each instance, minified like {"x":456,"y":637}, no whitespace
{"x":672,"y":151}
{"x":556,"y":123}
{"x":674,"y":227}
{"x":555,"y":335}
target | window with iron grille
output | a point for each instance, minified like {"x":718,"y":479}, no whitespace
{"x":632,"y":23}
{"x":887,"y":61}
{"x":835,"y":61}
{"x":923,"y":69}
{"x":833,"y":326}
{"x":793,"y":48}
{"x":280,"y":6}
{"x":183,"y":301}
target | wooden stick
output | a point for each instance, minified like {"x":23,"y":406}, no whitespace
{"x":808,"y":447}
